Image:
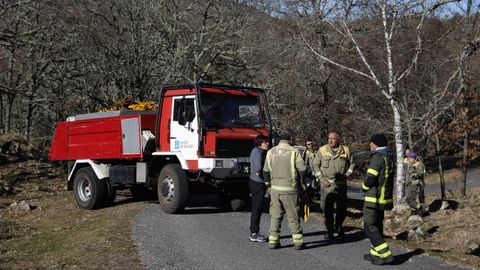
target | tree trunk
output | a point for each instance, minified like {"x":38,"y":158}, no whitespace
{"x":28,"y":120}
{"x":2,"y":127}
{"x":465,"y":162}
{"x":440,"y":169}
{"x":397,"y":129}
{"x":10,"y":99}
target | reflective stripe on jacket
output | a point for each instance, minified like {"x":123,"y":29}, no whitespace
{"x":378,"y":184}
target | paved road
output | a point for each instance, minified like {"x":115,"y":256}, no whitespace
{"x":205,"y":237}
{"x":473,"y":180}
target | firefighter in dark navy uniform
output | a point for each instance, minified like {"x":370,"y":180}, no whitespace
{"x":378,"y":188}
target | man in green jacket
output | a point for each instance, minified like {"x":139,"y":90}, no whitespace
{"x":282,"y":172}
{"x":378,"y":188}
{"x":333,"y":164}
{"x":415,"y":181}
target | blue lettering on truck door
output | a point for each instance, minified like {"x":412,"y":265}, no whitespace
{"x":177,"y":144}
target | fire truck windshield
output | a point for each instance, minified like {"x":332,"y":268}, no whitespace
{"x":228,"y":110}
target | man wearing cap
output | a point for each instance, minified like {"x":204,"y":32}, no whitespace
{"x":333,"y":164}
{"x":378,"y":188}
{"x":415,"y":183}
{"x":282,"y":172}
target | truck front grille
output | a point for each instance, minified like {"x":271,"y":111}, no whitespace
{"x":234,"y":148}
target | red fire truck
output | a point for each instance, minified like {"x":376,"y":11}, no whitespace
{"x":201,"y":133}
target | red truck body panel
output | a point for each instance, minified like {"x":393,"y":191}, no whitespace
{"x":102,"y":137}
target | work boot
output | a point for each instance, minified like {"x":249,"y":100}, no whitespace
{"x":300,"y":247}
{"x":328,"y":236}
{"x":274,"y":246}
{"x":380,"y":261}
{"x":340,"y":231}
{"x":421,"y":212}
{"x":256,"y":237}
{"x":368,"y":257}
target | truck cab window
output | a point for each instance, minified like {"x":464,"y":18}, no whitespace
{"x":184,"y":110}
{"x":226,"y":110}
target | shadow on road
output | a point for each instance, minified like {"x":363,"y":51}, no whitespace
{"x":195,"y":211}
{"x":123,"y":201}
{"x":349,"y":238}
{"x":402,"y":258}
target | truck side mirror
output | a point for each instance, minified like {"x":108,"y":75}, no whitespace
{"x":189,"y":110}
{"x":186,"y":111}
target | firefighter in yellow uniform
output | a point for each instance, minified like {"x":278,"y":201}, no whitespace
{"x":283,"y":171}
{"x":333,"y":164}
{"x":378,"y":188}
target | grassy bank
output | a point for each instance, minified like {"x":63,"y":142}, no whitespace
{"x":56,"y":234}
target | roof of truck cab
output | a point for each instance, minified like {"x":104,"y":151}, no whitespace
{"x":210,"y":85}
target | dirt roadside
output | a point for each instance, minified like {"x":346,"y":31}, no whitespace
{"x":55,"y":233}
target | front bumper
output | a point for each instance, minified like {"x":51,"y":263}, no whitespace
{"x":223,"y":168}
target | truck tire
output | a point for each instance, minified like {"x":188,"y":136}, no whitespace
{"x":88,"y":190}
{"x":172,"y":189}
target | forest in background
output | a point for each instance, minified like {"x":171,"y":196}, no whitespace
{"x":406,"y":68}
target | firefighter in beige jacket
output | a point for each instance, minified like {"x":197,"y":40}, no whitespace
{"x":333,"y":165}
{"x":283,"y":171}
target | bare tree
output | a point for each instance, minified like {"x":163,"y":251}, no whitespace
{"x":386,"y":70}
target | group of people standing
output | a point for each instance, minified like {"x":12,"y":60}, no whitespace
{"x":281,"y":172}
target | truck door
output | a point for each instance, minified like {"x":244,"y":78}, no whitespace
{"x":184,"y":127}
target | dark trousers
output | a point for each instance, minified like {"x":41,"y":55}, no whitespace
{"x":414,"y":191}
{"x":335,"y":208}
{"x":373,"y":225}
{"x":258,"y":194}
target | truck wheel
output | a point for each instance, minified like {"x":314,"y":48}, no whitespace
{"x":172,"y":189}
{"x":89,"y":191}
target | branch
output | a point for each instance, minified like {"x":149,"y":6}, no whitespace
{"x":364,"y":60}
{"x":340,"y":65}
{"x":419,"y":29}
